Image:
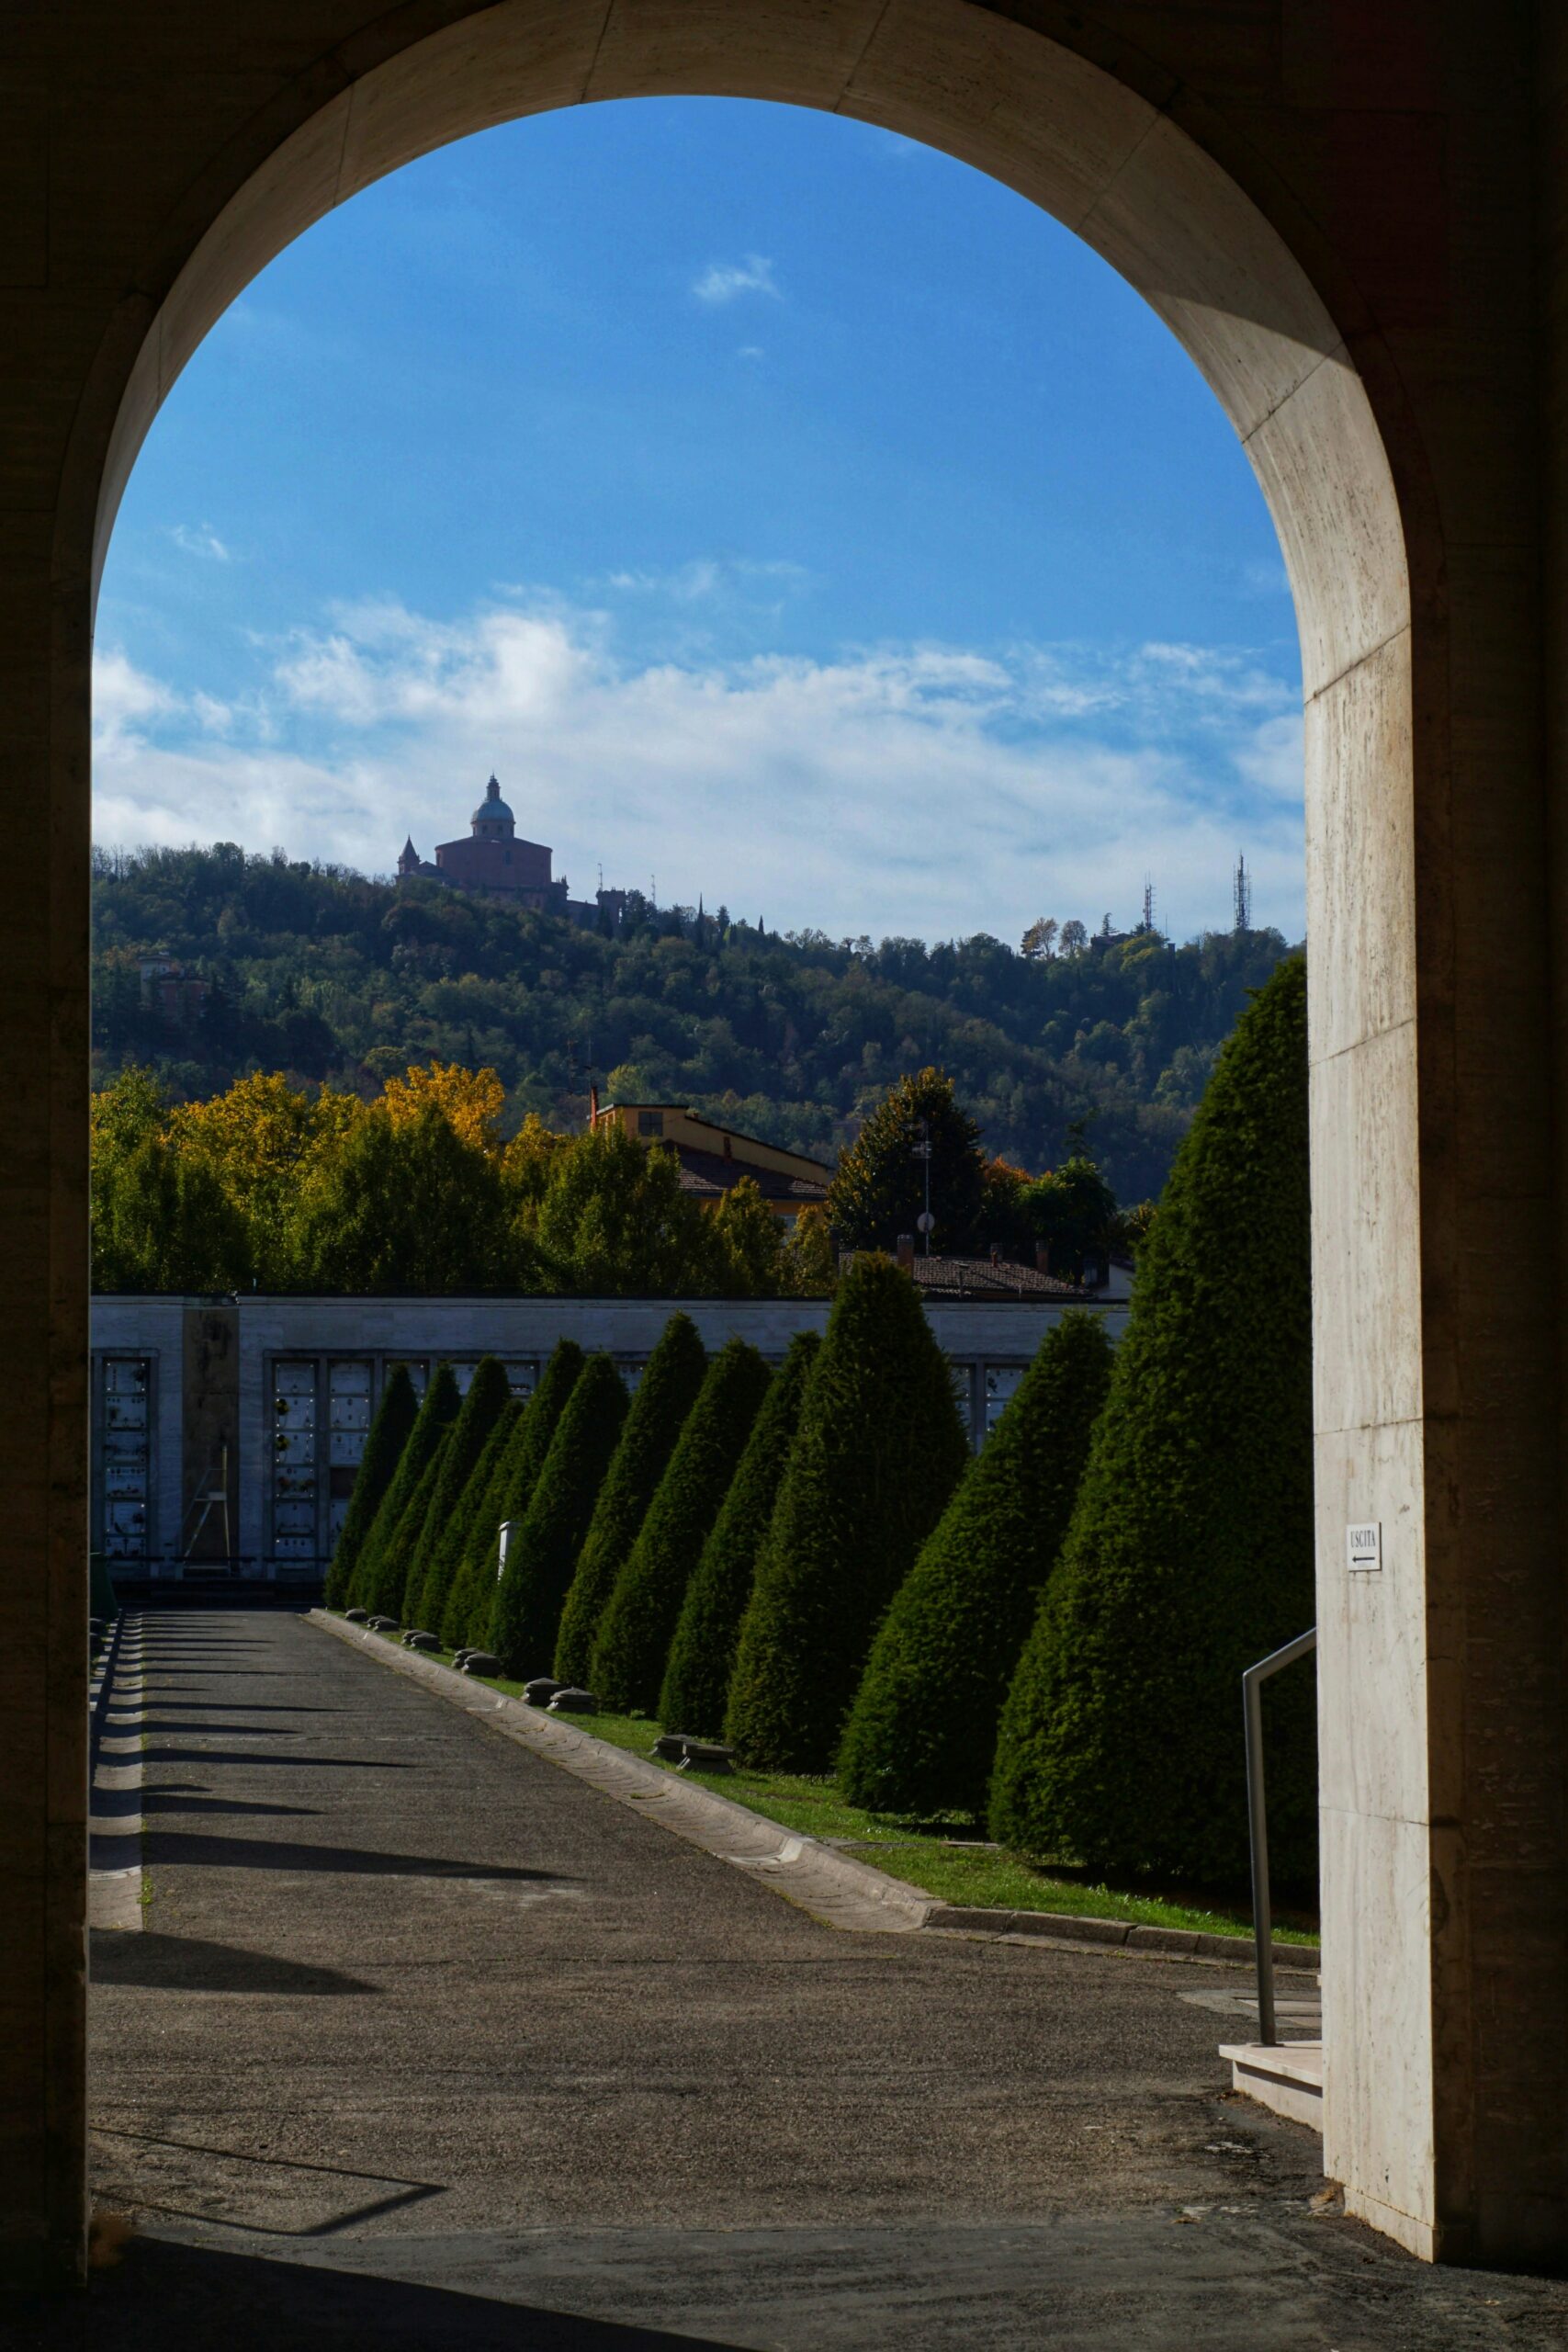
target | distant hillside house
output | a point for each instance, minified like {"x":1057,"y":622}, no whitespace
{"x":494,"y":860}
{"x":713,"y":1158}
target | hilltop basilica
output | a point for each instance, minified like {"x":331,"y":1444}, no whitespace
{"x":494,"y":861}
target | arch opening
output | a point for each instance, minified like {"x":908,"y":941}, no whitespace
{"x":1124,"y":176}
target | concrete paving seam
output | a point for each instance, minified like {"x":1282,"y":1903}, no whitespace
{"x":833,"y":1887}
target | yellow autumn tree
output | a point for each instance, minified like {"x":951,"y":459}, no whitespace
{"x":470,"y":1101}
{"x":267,"y":1143}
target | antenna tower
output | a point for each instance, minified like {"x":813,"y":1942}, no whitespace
{"x":1148,"y":903}
{"x":1242,"y":897}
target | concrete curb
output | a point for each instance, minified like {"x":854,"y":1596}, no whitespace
{"x":833,"y":1887}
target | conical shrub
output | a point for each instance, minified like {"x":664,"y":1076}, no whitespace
{"x":878,"y":1454}
{"x":387,"y":1434}
{"x":471,"y":1516}
{"x":516,"y":1475}
{"x":1190,"y":1553}
{"x":436,"y":1414}
{"x":922,"y":1731}
{"x":431,"y":1569}
{"x":665,"y":1395}
{"x":546,"y":1543}
{"x":702,"y":1655}
{"x":634,"y":1632}
{"x":396,"y":1568}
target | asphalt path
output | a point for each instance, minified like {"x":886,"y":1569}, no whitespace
{"x":423,"y":2041}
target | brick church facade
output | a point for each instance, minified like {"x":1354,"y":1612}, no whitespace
{"x":494,"y":860}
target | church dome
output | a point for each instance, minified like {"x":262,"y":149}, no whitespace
{"x":493,"y":810}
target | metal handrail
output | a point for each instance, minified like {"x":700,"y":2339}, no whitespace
{"x":1252,"y":1683}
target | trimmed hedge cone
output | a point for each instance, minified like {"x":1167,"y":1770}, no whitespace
{"x":471,"y":1518}
{"x":1189,"y":1554}
{"x":394,"y":1569}
{"x":634,"y":1632}
{"x":440,"y":1410}
{"x":544,"y":1549}
{"x":702,"y":1655}
{"x":387,"y":1434}
{"x":516,"y":1475}
{"x":665,"y":1395}
{"x":922,"y":1730}
{"x":435,"y":1563}
{"x":878,"y":1451}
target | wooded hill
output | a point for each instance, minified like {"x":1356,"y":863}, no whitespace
{"x":327,"y":975}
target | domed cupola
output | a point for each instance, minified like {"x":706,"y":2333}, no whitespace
{"x":492,"y":820}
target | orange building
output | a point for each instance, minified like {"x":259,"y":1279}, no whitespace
{"x":713,"y":1158}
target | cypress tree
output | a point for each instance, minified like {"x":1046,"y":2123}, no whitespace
{"x":879,"y":1450}
{"x":702,"y":1656}
{"x":634,"y":1632}
{"x":922,"y":1730}
{"x":394,"y":1562}
{"x":387,"y":1435}
{"x":545,"y":1544}
{"x":470,"y":1515}
{"x":436,"y":1415}
{"x":516,"y":1475}
{"x":665,"y":1395}
{"x":1189,"y":1553}
{"x":432,"y":1566}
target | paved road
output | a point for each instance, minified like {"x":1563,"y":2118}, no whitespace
{"x":414,"y":2005}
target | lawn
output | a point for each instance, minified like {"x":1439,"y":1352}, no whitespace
{"x":947,"y":1860}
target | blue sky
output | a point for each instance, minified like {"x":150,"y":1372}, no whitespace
{"x":784,"y":512}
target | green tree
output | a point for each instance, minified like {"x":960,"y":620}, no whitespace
{"x":397,"y":1562}
{"x":407,"y":1206}
{"x":1072,"y":1209}
{"x":434,"y":1565}
{"x":635,"y":1632}
{"x":615,"y":1223}
{"x":470,"y":1523}
{"x":750,"y":1243}
{"x":879,"y":1189}
{"x":389,"y":1433}
{"x":702,"y":1654}
{"x":1190,"y":1553}
{"x":665,"y":1395}
{"x":545,"y":1544}
{"x":436,"y":1414}
{"x":879,"y":1449}
{"x":511,"y":1492}
{"x":162,"y":1222}
{"x":922,"y":1730}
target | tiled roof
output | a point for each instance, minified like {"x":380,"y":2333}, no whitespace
{"x":990,"y":1278}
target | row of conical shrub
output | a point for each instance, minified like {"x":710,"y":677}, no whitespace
{"x":1051,"y":1633}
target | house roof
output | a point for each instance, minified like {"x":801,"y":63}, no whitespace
{"x":990,"y":1278}
{"x":709,"y":1173}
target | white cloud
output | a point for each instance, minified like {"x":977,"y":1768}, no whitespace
{"x":200,"y":540}
{"x":723,"y":281}
{"x":923,"y":788}
{"x":750,"y":351}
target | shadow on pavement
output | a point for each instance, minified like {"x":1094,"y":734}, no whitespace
{"x":168,"y":2298}
{"x":191,"y":1801}
{"x":186,"y":1964}
{"x":205,"y":1755}
{"x":181,"y":1847}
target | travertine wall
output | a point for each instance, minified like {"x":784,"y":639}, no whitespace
{"x":1334,"y":209}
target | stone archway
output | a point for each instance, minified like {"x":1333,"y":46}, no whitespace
{"x":1426,"y":1881}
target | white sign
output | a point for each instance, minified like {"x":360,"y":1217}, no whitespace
{"x":1363,"y":1547}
